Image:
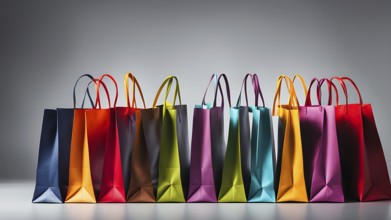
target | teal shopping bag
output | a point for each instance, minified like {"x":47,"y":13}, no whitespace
{"x":262,"y":151}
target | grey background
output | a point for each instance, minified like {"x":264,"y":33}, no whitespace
{"x":46,"y":45}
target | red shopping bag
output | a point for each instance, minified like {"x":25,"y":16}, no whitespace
{"x":364,"y":168}
{"x":104,"y":150}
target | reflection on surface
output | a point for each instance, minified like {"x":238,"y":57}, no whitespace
{"x":79,"y":211}
{"x":292,"y":211}
{"x":15,"y":203}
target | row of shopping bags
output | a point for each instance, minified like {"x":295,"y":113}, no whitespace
{"x":292,"y":153}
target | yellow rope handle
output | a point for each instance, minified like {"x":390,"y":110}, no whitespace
{"x":292,"y":93}
{"x":134,"y":84}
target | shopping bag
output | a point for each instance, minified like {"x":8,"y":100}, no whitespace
{"x":364,"y":169}
{"x":278,"y":137}
{"x":232,"y":184}
{"x":47,"y":188}
{"x":151,"y":126}
{"x":140,"y":187}
{"x":202,"y":181}
{"x":320,"y":148}
{"x":80,"y":182}
{"x":218,"y":142}
{"x":65,"y":125}
{"x":263,"y":159}
{"x":173,"y":154}
{"x":104,"y":150}
{"x":291,"y":185}
{"x":53,"y":161}
{"x":126,"y":123}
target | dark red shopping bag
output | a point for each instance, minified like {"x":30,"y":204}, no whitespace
{"x":364,"y":169}
{"x":104,"y":150}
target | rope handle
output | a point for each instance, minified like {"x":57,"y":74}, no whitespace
{"x":223,"y":76}
{"x":293,"y":102}
{"x":97,"y":101}
{"x":244,"y":84}
{"x":257,"y":90}
{"x":134,"y":85}
{"x":88,"y":93}
{"x":213,"y":78}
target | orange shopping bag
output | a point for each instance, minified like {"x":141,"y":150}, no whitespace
{"x":80,"y":182}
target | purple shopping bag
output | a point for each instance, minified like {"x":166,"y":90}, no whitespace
{"x":320,"y":148}
{"x":207,"y":148}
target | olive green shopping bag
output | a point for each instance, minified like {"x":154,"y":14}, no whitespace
{"x":232,"y":184}
{"x":173,"y":154}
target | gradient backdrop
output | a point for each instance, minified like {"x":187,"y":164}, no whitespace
{"x":46,"y":45}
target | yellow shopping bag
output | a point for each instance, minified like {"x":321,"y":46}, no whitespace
{"x":291,"y":186}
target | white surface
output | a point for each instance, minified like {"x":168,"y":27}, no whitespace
{"x":15,"y":203}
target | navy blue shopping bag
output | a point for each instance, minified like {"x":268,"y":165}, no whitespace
{"x":54,"y":149}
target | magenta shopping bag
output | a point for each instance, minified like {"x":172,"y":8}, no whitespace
{"x":322,"y":166}
{"x":206,"y":153}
